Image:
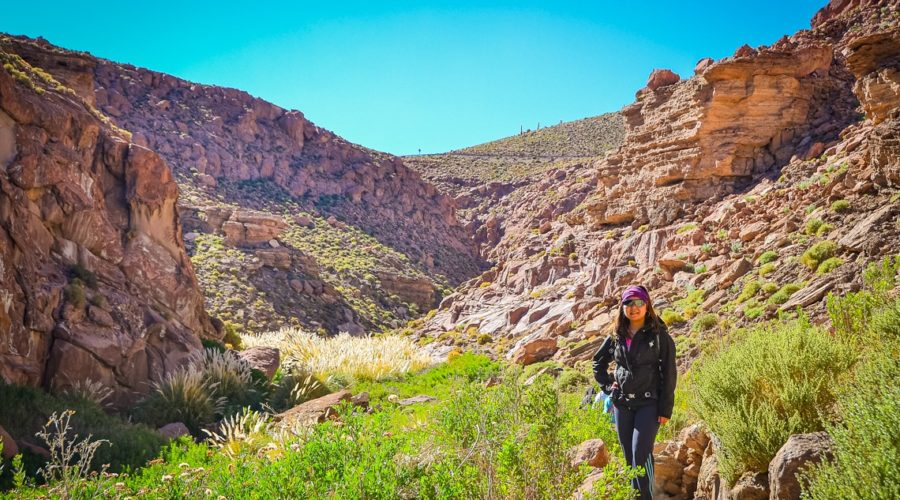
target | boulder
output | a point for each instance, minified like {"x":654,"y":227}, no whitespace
{"x":10,"y":448}
{"x":264,"y":359}
{"x":671,"y":263}
{"x":662,"y":78}
{"x":800,"y":451}
{"x":416,"y":400}
{"x":592,"y":452}
{"x":174,"y":430}
{"x":678,"y":462}
{"x":710,"y":485}
{"x":861,"y":233}
{"x":737,"y":269}
{"x":313,"y":411}
{"x":361,"y":399}
{"x":702,"y":64}
{"x":34,"y":449}
{"x":586,"y":489}
{"x":751,"y":486}
{"x":751,"y":231}
{"x":536,"y":347}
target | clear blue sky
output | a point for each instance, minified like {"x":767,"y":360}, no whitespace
{"x":398,"y":76}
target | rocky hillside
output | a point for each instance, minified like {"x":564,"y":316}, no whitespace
{"x":487,"y":180}
{"x":285,"y":221}
{"x":759,"y":184}
{"x":95,"y":283}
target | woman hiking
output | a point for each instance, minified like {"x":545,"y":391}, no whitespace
{"x":643,"y":384}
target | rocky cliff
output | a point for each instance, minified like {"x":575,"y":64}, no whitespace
{"x":730,"y":192}
{"x":287,"y":222}
{"x":95,"y":283}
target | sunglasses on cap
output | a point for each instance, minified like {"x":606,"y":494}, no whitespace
{"x":634,"y":303}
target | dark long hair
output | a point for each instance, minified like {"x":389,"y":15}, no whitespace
{"x":622,"y":321}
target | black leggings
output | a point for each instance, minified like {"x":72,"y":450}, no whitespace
{"x":637,"y":431}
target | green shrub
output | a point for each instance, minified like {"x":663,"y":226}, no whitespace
{"x":784,"y":294}
{"x":230,"y":377}
{"x":295,"y":387}
{"x":183,"y":396}
{"x":485,"y":338}
{"x":767,"y":257}
{"x":880,"y":277}
{"x":771,"y":382}
{"x":26,"y":409}
{"x":233,"y":335}
{"x":769,"y":288}
{"x":840,"y":206}
{"x":829,"y":265}
{"x":818,"y":253}
{"x":573,"y":381}
{"x":74,"y":293}
{"x":86,"y":276}
{"x":505,"y":441}
{"x":767,"y":268}
{"x":671,"y":317}
{"x":866,"y":463}
{"x":864,"y":317}
{"x":754,"y":309}
{"x":690,"y":226}
{"x":750,"y":290}
{"x":704,"y":322}
{"x":824,"y":229}
{"x":813,"y":225}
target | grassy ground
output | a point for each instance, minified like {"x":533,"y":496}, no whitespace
{"x":472,"y":442}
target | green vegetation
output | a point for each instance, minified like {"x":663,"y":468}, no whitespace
{"x":829,"y":264}
{"x":587,"y":137}
{"x":25,"y":410}
{"x":767,"y":268}
{"x":783,"y":294}
{"x":749,"y":291}
{"x":767,"y":257}
{"x":771,"y":383}
{"x":474,"y":441}
{"x":757,"y":387}
{"x":840,"y":206}
{"x":671,"y":317}
{"x":526,"y":155}
{"x":866,"y":462}
{"x":813,"y":226}
{"x":818,"y":253}
{"x":353,"y":259}
{"x":74,"y":293}
{"x":704,"y":322}
{"x":221,"y":272}
{"x":690,"y":226}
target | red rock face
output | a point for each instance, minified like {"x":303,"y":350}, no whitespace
{"x":94,"y":280}
{"x":690,"y":200}
{"x":223,"y":138}
{"x":662,"y":78}
{"x":697,"y":139}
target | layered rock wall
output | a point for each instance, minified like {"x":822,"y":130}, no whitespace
{"x":706,"y":136}
{"x":94,"y":280}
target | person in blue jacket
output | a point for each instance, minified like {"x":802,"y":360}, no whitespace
{"x":642,"y":387}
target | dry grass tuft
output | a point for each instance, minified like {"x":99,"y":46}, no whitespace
{"x":343,"y":356}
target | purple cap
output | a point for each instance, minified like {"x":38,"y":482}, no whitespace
{"x":635,"y":292}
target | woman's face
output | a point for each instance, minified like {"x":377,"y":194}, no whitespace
{"x":635,"y":309}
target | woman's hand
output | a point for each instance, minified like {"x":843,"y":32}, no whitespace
{"x":662,"y":420}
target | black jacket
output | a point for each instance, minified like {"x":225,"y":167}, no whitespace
{"x":645,"y":373}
